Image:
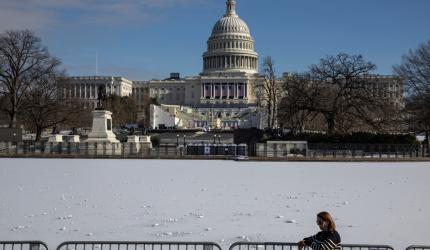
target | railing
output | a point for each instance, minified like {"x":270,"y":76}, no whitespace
{"x":417,"y":247}
{"x":294,"y":246}
{"x":158,"y":245}
{"x":23,"y":245}
{"x":126,"y":149}
{"x":366,"y":150}
{"x":134,"y":245}
{"x":343,"y":150}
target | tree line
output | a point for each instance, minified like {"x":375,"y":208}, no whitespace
{"x":30,"y":93}
{"x":336,"y":95}
{"x":339,"y":95}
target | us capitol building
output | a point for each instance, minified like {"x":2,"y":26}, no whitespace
{"x":224,"y":96}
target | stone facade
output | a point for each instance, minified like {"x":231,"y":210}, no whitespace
{"x":86,"y":87}
{"x":223,"y":95}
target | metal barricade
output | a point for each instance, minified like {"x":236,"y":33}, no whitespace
{"x":135,"y":245}
{"x":417,"y":247}
{"x":23,"y":245}
{"x":294,"y":246}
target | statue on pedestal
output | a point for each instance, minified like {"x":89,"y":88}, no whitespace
{"x":102,"y":121}
{"x":101,"y":97}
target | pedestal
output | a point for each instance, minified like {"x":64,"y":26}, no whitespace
{"x":102,"y":128}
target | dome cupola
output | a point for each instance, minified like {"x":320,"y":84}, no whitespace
{"x":230,"y":46}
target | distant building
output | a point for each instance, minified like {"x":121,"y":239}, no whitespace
{"x":86,"y":87}
{"x":223,"y":96}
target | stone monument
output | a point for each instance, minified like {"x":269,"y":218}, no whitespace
{"x":102,"y":122}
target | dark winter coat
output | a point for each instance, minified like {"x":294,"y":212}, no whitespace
{"x":324,"y":240}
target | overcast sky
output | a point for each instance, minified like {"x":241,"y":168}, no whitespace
{"x":145,"y":39}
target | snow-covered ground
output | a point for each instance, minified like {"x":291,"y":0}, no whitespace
{"x":220,"y":201}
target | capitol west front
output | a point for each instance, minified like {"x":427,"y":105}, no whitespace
{"x":223,"y":96}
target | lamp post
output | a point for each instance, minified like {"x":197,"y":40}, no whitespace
{"x":14,"y":139}
{"x":184,"y":139}
{"x":214,"y":139}
{"x":219,"y":139}
{"x":177,"y":140}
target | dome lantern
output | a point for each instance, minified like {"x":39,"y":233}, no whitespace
{"x":231,"y":8}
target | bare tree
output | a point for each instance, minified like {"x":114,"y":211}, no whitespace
{"x":41,"y":108}
{"x":292,"y":110}
{"x":415,"y":70}
{"x":271,"y":91}
{"x":23,"y":61}
{"x":123,"y":109}
{"x":340,"y":89}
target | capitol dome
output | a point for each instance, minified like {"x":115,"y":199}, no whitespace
{"x":231,"y":24}
{"x":230,"y":46}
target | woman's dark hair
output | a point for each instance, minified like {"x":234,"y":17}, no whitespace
{"x":325,"y":216}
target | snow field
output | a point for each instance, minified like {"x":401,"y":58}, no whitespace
{"x":58,"y":200}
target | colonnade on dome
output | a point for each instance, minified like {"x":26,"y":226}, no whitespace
{"x":230,"y":62}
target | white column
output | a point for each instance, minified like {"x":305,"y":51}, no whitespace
{"x":246,"y":90}
{"x":220,"y":91}
{"x":235,"y":91}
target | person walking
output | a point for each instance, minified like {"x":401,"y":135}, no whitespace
{"x":327,"y":239}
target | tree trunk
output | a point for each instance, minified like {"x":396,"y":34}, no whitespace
{"x":427,"y":142}
{"x":330,"y":123}
{"x":38,"y":133}
{"x":273,"y":123}
{"x":12,"y":113}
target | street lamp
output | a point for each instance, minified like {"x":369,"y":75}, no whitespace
{"x":219,"y":139}
{"x":214,"y":139}
{"x":184,"y":139}
{"x":177,"y":140}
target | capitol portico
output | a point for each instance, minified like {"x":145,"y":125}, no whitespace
{"x":224,"y":94}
